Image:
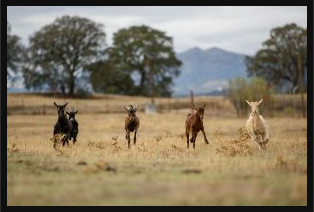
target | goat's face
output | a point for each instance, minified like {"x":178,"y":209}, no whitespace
{"x":131,"y":110}
{"x":60,"y":109}
{"x":254,"y":106}
{"x":200,"y":111}
{"x":72,"y":115}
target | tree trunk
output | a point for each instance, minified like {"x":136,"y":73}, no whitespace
{"x":71,"y":83}
{"x":142,"y":82}
{"x":63,"y":89}
{"x":151,"y":83}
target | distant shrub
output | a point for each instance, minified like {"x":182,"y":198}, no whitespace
{"x":252,"y":89}
{"x":288,"y":110}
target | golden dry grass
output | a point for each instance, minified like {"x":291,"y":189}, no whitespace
{"x":158,"y":170}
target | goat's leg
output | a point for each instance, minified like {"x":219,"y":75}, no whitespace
{"x":192,"y":133}
{"x":55,"y":144}
{"x":64,"y":140}
{"x":194,"y":139}
{"x":266,"y":138}
{"x":261,"y":141}
{"x":129,"y":140}
{"x":205,"y":139}
{"x":261,"y":147}
{"x":187,"y":138}
{"x":68,"y":137}
{"x":135,"y":136}
{"x":254,"y":138}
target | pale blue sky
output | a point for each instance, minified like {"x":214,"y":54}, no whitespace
{"x":238,"y":29}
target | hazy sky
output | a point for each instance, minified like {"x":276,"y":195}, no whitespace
{"x":238,"y":29}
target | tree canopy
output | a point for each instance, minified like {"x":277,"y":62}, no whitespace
{"x":60,"y":51}
{"x":15,"y":51}
{"x":147,"y":53}
{"x":278,"y":60}
{"x":107,"y":77}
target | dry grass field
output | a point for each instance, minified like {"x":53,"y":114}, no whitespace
{"x":100,"y":170}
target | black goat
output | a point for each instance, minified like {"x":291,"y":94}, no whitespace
{"x":62,"y":125}
{"x":73,"y":125}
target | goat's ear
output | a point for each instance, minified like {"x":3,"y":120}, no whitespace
{"x":260,"y":101}
{"x":126,"y":109}
{"x":76,"y":111}
{"x":67,"y":112}
{"x":136,"y":108}
{"x":204,"y":105}
{"x":65,"y":104}
{"x":249,"y":103}
{"x":55,"y":104}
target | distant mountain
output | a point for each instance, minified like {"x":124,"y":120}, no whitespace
{"x":207,"y":71}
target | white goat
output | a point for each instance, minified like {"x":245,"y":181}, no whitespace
{"x":257,"y":126}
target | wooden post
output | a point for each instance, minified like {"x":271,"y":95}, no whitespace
{"x":300,"y":67}
{"x":23,"y":106}
{"x":192,"y":99}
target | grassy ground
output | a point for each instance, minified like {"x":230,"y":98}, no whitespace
{"x":100,"y":170}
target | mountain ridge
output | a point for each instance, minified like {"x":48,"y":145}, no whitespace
{"x":206,"y":71}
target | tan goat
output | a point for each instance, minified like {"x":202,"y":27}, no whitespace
{"x":257,"y":126}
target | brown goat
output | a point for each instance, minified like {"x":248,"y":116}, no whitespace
{"x":193,"y":124}
{"x":132,"y":123}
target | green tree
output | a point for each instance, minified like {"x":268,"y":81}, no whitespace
{"x":148,"y":53}
{"x":107,"y":77}
{"x":59,"y":51}
{"x":15,"y":52}
{"x":278,"y":60}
